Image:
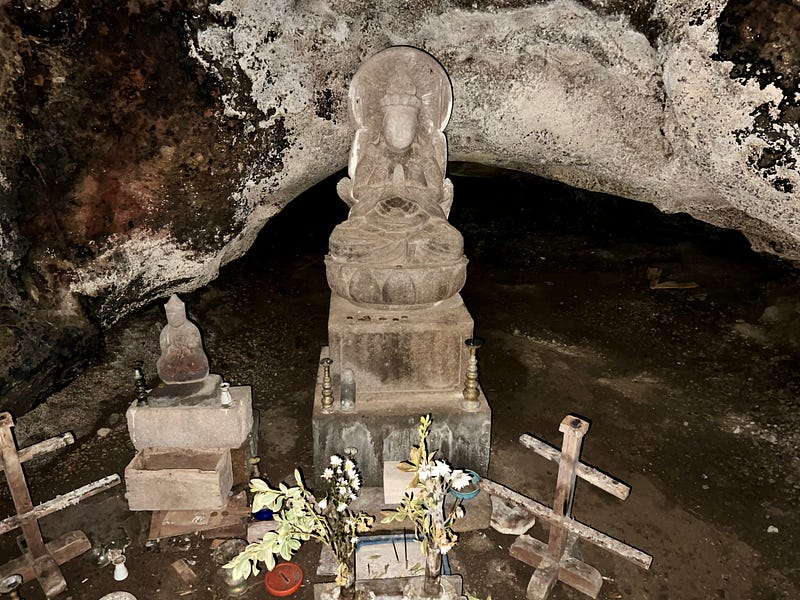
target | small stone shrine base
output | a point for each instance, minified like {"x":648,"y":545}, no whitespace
{"x":400,"y":353}
{"x":205,"y":425}
{"x":205,"y":391}
{"x":387,"y":429}
{"x":178,"y":479}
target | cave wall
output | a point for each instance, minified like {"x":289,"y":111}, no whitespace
{"x":143,"y":145}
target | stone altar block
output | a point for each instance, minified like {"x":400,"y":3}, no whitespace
{"x":396,"y":354}
{"x":385,"y":429}
{"x":204,"y":425}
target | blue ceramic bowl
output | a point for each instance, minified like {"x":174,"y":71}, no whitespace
{"x":471,"y":490}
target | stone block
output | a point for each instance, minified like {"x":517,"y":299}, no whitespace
{"x":510,"y":519}
{"x":203,"y":392}
{"x":178,"y":479}
{"x":201,"y":426}
{"x":397,"y":353}
{"x":477,"y":511}
{"x":395,"y":482}
{"x":240,"y":462}
{"x":377,"y":432}
{"x":256,"y":530}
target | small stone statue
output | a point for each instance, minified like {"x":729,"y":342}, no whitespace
{"x":182,"y":359}
{"x":396,"y":248}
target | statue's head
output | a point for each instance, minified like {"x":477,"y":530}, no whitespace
{"x":176,"y":311}
{"x":400,"y":107}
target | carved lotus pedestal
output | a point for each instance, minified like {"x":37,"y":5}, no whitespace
{"x":408,"y":287}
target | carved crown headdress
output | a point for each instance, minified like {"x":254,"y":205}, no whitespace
{"x":400,"y":76}
{"x":401,"y":91}
{"x":175,"y":306}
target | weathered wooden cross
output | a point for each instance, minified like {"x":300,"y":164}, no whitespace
{"x":40,"y":560}
{"x":556,"y":561}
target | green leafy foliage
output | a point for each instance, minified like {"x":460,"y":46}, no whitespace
{"x":300,"y":517}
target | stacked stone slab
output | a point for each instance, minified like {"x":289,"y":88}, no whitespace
{"x":395,"y":267}
{"x":191,"y":436}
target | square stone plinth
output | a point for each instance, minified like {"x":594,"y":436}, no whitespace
{"x":386,"y":430}
{"x":178,"y":479}
{"x":199,"y":426}
{"x":399,"y":352}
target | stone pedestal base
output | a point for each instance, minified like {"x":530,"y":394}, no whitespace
{"x":478,"y":512}
{"x":206,"y":425}
{"x":205,"y":392}
{"x":405,"y":588}
{"x":396,"y":354}
{"x":386,"y":430}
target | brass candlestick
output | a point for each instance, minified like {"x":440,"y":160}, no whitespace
{"x":327,"y":388}
{"x":140,"y":384}
{"x":470,"y":402}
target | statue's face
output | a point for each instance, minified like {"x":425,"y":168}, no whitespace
{"x":399,"y":126}
{"x":176,"y":318}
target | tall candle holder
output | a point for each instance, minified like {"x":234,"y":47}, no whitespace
{"x":327,"y":388}
{"x":471,"y":393}
{"x":140,"y":384}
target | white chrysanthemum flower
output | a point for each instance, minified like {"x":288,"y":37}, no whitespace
{"x":323,"y":504}
{"x":441,"y":469}
{"x":459,"y":480}
{"x":336,"y":460}
{"x":342,"y":506}
{"x":423,"y":472}
{"x":349,"y":465}
{"x":355,"y":482}
{"x":327,"y":474}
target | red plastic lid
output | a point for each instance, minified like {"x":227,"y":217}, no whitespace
{"x":284,"y":580}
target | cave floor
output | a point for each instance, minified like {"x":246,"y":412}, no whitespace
{"x":692,"y":393}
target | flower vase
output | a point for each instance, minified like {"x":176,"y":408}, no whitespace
{"x":347,"y":579}
{"x":432,"y":587}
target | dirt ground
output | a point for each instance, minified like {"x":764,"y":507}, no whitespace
{"x":692,"y":393}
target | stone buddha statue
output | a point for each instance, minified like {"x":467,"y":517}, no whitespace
{"x":396,"y":248}
{"x":182,"y":359}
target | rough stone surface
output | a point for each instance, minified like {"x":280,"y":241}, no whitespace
{"x":398,"y":353}
{"x":510,"y":519}
{"x":144,"y":146}
{"x":202,"y":426}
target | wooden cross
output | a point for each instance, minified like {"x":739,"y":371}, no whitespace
{"x":40,"y":560}
{"x":556,"y":561}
